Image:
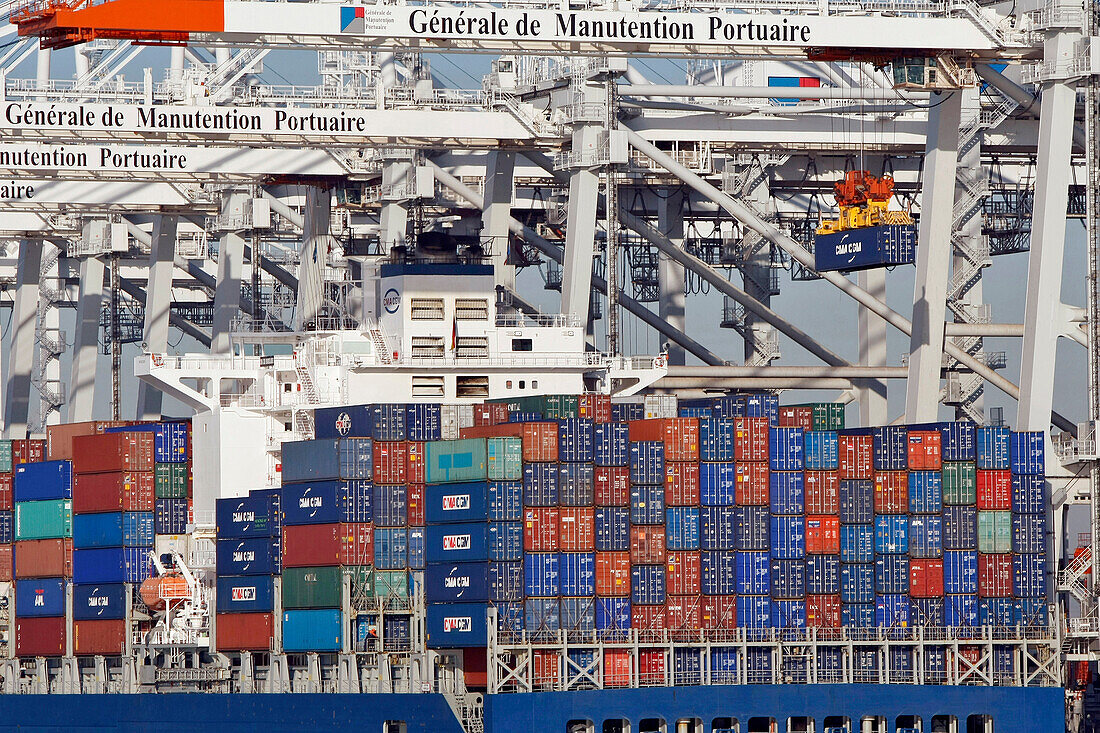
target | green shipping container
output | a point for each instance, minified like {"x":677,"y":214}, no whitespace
{"x":994,"y":532}
{"x":5,"y":456}
{"x":505,"y":459}
{"x":391,"y":585}
{"x":456,"y":461}
{"x":170,"y":480}
{"x":960,"y":484}
{"x":827,"y":415}
{"x":560,"y":406}
{"x":324,"y":587}
{"x":43,"y":520}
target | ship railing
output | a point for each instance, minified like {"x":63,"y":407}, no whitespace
{"x":541,"y":320}
{"x":558,"y":359}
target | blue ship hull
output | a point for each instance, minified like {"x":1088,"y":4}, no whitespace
{"x":1013,"y":709}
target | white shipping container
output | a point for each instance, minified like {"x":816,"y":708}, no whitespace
{"x":659,"y":406}
{"x":449,"y":421}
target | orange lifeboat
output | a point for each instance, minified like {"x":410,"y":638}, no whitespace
{"x":157,"y":588}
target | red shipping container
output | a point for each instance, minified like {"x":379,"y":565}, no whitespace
{"x":99,"y":636}
{"x":613,"y":574}
{"x":244,"y":631}
{"x":926,"y":578}
{"x":682,"y":484}
{"x":971,"y":654}
{"x":44,"y":558}
{"x":925,"y":450}
{"x":499,"y":430}
{"x":750,"y":439}
{"x":541,"y":529}
{"x":616,"y":667}
{"x":310,"y":545}
{"x":40,"y":637}
{"x":483,"y":416}
{"x":7,"y":563}
{"x":111,"y":452}
{"x":6,"y":482}
{"x":679,"y":434}
{"x":647,"y":545}
{"x":891,"y":492}
{"x":751,"y":488}
{"x":475,"y":667}
{"x":414,"y":470}
{"x":823,"y":612}
{"x":416,"y":504}
{"x":59,"y":438}
{"x":796,"y":417}
{"x":822,"y":492}
{"x":857,"y":456}
{"x":578,"y":529}
{"x":391,"y":461}
{"x":540,"y":441}
{"x":647,"y":618}
{"x":994,"y":489}
{"x":718,"y":612}
{"x":684,"y":612}
{"x":612,"y":485}
{"x":683,"y":576}
{"x":995,"y":575}
{"x":544,"y":668}
{"x":651,"y":666}
{"x":27,"y":451}
{"x":595,"y":407}
{"x":114,"y":492}
{"x":823,"y":535}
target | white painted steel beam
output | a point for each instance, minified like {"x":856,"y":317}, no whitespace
{"x":671,"y":276}
{"x":227,"y":293}
{"x":499,"y":191}
{"x":17,"y":394}
{"x":737,"y":92}
{"x":158,"y":307}
{"x":394,"y":218}
{"x":82,"y":373}
{"x":926,"y":344}
{"x":580,"y":229}
{"x":313,"y":257}
{"x":872,"y":393}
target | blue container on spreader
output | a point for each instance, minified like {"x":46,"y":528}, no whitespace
{"x":885,"y":245}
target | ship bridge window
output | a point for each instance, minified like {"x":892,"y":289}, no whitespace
{"x":979,"y":724}
{"x":426,"y":309}
{"x":427,"y":347}
{"x":945,"y":724}
{"x":724,"y":725}
{"x":523,"y":345}
{"x":278,"y":349}
{"x":471,"y":309}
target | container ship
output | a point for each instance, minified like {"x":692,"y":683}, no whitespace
{"x":592,"y":560}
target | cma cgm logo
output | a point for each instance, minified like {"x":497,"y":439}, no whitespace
{"x":458,"y":623}
{"x":456,"y":502}
{"x":844,"y":247}
{"x":391,"y":301}
{"x":343,"y":423}
{"x":240,"y":517}
{"x":456,"y":542}
{"x":244,"y":593}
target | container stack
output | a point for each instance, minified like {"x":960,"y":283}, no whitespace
{"x":42,"y":493}
{"x":171,"y":473}
{"x":248,"y":549}
{"x":7,"y":513}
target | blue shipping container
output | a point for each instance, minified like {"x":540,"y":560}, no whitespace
{"x":1029,"y":576}
{"x":391,"y":548}
{"x":958,"y":441}
{"x":256,"y":515}
{"x":505,"y":581}
{"x":992,"y":448}
{"x":170,"y":439}
{"x":611,"y":443}
{"x":718,"y":527}
{"x":718,"y":573}
{"x":647,"y":585}
{"x":996,"y":611}
{"x":111,"y":565}
{"x":723,"y":666}
{"x":459,"y":542}
{"x":576,"y":440}
{"x":785,"y":448}
{"x":540,"y":484}
{"x":788,"y":579}
{"x":248,"y":594}
{"x":717,"y":484}
{"x":577,"y":573}
{"x":787,"y":492}
{"x":510,"y":617}
{"x":315,"y":630}
{"x":107,"y":601}
{"x":249,"y":556}
{"x":456,"y":503}
{"x":857,"y":501}
{"x":576,"y":484}
{"x":857,"y":543}
{"x":38,"y":597}
{"x":542,"y":614}
{"x":43,"y":481}
{"x":960,"y":572}
{"x":114,"y":529}
{"x":541,"y":577}
{"x":925,"y":535}
{"x":822,"y":575}
{"x":389,"y":504}
{"x":612,"y":529}
{"x":423,"y":421}
{"x":505,"y":541}
{"x":505,"y":501}
{"x":327,"y":460}
{"x":821,"y":450}
{"x":416,"y":548}
{"x":892,"y":610}
{"x":927,"y":612}
{"x":715,"y":440}
{"x":463,"y":582}
{"x":682,"y":528}
{"x":857,"y":583}
{"x":891,"y":533}
{"x":891,"y":574}
{"x":891,"y":448}
{"x":647,"y":504}
{"x":789,"y":614}
{"x":612,"y":617}
{"x":387,"y":422}
{"x":578,"y":614}
{"x":788,"y":540}
{"x":328,"y":502}
{"x":752,"y":528}
{"x":753,"y":573}
{"x":350,"y":421}
{"x":1029,"y":494}
{"x":960,"y":610}
{"x":1028,"y":453}
{"x":925,"y":492}
{"x":865,"y":248}
{"x":1029,"y":533}
{"x":760,"y":404}
{"x":754,"y":612}
{"x":858,"y":615}
{"x":647,"y":462}
{"x":960,"y":527}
